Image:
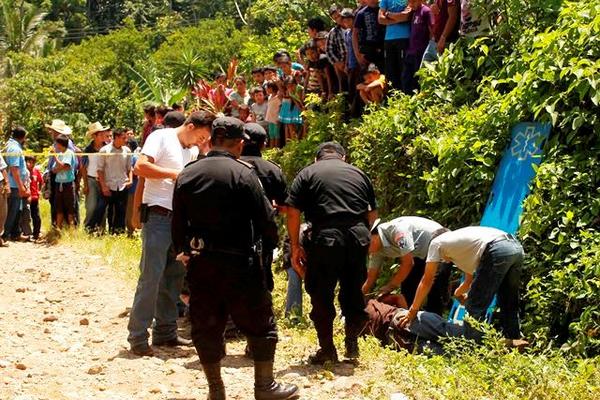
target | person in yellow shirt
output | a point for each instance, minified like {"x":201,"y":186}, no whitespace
{"x":373,"y":88}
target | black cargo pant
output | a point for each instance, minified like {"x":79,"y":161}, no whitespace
{"x":337,"y":255}
{"x":438,"y":297}
{"x":222,"y":285}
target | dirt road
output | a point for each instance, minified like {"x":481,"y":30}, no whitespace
{"x":63,"y":336}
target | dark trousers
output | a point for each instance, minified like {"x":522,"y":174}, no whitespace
{"x":12,"y":226}
{"x":412,"y":64}
{"x":326,"y":266}
{"x":499,"y":272}
{"x":354,"y":99}
{"x":35,"y":218}
{"x":117,"y":208}
{"x":438,"y":297}
{"x":374,"y":54}
{"x":222,"y":285}
{"x":267,"y":265}
{"x":394,"y":61}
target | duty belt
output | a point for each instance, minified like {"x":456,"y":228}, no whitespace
{"x":199,"y":245}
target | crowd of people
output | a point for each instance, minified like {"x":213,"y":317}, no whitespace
{"x":374,"y":48}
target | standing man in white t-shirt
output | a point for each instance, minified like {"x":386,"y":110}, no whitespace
{"x":491,"y":260}
{"x":89,"y":173}
{"x":163,"y":157}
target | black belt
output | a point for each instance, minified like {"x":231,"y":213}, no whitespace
{"x":160,"y":211}
{"x":502,"y":238}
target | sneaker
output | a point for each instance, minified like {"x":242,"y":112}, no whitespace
{"x":178,"y":341}
{"x":321,"y":357}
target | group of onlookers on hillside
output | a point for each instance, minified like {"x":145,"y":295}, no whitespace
{"x":377,"y":47}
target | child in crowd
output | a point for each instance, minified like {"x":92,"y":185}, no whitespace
{"x":259,"y":108}
{"x":258,"y":76}
{"x":373,"y":87}
{"x":239,"y":97}
{"x":244,"y":113}
{"x":286,"y":68}
{"x":35,"y":185}
{"x":64,"y":189}
{"x":421,"y":32}
{"x":318,"y":79}
{"x":292,"y":105}
{"x":270,"y":73}
{"x":272,"y":115}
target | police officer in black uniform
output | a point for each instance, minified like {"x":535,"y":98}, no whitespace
{"x":220,"y":218}
{"x":273,"y":181}
{"x":339,"y":200}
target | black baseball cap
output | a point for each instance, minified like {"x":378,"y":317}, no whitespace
{"x":228,"y":128}
{"x":255,"y":132}
{"x":330,"y":147}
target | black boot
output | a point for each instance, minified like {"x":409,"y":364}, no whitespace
{"x":352,"y":351}
{"x":216,"y":389}
{"x":265,"y":387}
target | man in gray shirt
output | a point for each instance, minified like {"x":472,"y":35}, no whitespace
{"x":491,"y":260}
{"x":115,"y":178}
{"x":406,"y":238}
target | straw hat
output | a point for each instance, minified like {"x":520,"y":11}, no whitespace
{"x":58,"y":125}
{"x":95,"y":128}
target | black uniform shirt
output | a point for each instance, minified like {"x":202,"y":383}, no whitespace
{"x":221,"y":200}
{"x":271,"y":177}
{"x":332,"y":188}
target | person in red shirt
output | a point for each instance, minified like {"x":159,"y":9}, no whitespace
{"x":36,"y":183}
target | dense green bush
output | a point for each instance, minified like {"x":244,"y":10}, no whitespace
{"x":435,"y":154}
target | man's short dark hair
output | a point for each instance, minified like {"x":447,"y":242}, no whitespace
{"x":174,"y":119}
{"x":316,"y":24}
{"x":333,"y":9}
{"x":30,"y":158}
{"x":150,"y":109}
{"x":18,"y":132}
{"x":162,"y":110}
{"x":280,"y":53}
{"x":239,"y":78}
{"x":258,"y":70}
{"x":439,"y":232}
{"x":270,"y":68}
{"x":220,"y":141}
{"x":63,"y":140}
{"x":257,"y":89}
{"x":330,"y":148}
{"x":119,"y":132}
{"x":201,"y":119}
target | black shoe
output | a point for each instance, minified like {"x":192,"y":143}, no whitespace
{"x":352,"y":351}
{"x":323,"y":356}
{"x":216,"y":389}
{"x":178,"y":341}
{"x":265,"y":387}
{"x":142,"y":350}
{"x":248,"y":352}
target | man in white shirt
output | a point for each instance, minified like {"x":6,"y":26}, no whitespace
{"x":491,"y":260}
{"x":163,"y":157}
{"x":115,"y":178}
{"x":89,"y":172}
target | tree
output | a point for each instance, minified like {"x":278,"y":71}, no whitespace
{"x":21,"y":27}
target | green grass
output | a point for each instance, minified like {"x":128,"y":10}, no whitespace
{"x":465,"y":373}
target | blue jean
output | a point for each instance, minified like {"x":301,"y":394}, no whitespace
{"x":431,"y":53}
{"x":499,"y":272}
{"x":159,"y":285}
{"x":12,"y":226}
{"x":293,"y":299}
{"x":95,"y":207}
